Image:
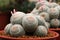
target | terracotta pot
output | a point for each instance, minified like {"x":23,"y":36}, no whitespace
{"x":56,"y":30}
{"x":4,"y":19}
{"x":54,"y":37}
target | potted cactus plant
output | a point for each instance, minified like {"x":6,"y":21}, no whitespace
{"x":28,"y":28}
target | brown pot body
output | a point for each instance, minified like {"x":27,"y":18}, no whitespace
{"x":4,"y":19}
{"x":56,"y":30}
{"x":42,"y":38}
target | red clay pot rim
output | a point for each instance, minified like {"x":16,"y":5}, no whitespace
{"x":31,"y":37}
{"x":54,"y":29}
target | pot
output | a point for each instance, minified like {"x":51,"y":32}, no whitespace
{"x":4,"y":19}
{"x":54,"y":36}
{"x":56,"y":30}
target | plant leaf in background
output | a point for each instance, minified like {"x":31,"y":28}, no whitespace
{"x":4,"y":3}
{"x":25,"y":6}
{"x":20,"y":5}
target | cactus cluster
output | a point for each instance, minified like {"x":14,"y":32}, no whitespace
{"x":22,"y":23}
{"x":37,"y":22}
{"x":49,"y":11}
{"x":55,"y":23}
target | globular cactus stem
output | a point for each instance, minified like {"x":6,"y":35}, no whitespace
{"x":29,"y":23}
{"x":7,"y":28}
{"x":55,"y":23}
{"x":17,"y":30}
{"x":41,"y":31}
{"x":16,"y":17}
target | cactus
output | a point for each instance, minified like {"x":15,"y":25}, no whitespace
{"x":43,"y":8}
{"x":16,"y":17}
{"x":29,"y":23}
{"x":16,"y":30}
{"x":53,"y":4}
{"x":40,"y":19}
{"x":41,"y":31}
{"x":55,"y":23}
{"x":7,"y":28}
{"x":53,"y":12}
{"x":45,"y":16}
{"x":58,"y":7}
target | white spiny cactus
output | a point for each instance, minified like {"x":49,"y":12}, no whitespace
{"x":45,"y":16}
{"x":53,"y":12}
{"x":16,"y":17}
{"x":41,"y":31}
{"x":16,"y":30}
{"x":29,"y":23}
{"x":55,"y":23}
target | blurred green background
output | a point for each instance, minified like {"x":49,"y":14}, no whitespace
{"x":20,"y":5}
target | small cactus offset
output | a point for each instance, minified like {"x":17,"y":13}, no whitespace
{"x":45,"y":16}
{"x":53,"y":12}
{"x":53,"y":4}
{"x":29,"y":23}
{"x":40,"y":19}
{"x":17,"y":30}
{"x":43,"y":8}
{"x":58,"y":7}
{"x":7,"y":28}
{"x":41,"y":31}
{"x":16,"y":17}
{"x":55,"y":23}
